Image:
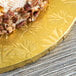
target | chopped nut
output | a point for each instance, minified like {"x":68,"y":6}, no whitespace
{"x":13,"y":26}
{"x":27,"y":7}
{"x":1,"y":27}
{"x":9,"y":29}
{"x":22,"y":11}
{"x":0,"y":19}
{"x":11,"y":13}
{"x":20,"y":24}
{"x":14,"y":19}
{"x":34,"y":2}
{"x":5,"y":18}
{"x":27,"y":15}
{"x":18,"y":9}
{"x":5,"y":26}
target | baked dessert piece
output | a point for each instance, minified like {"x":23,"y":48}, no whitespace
{"x":16,"y":13}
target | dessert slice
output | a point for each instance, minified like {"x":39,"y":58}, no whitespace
{"x":16,"y":13}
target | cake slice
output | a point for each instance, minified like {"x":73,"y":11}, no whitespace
{"x":16,"y":13}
